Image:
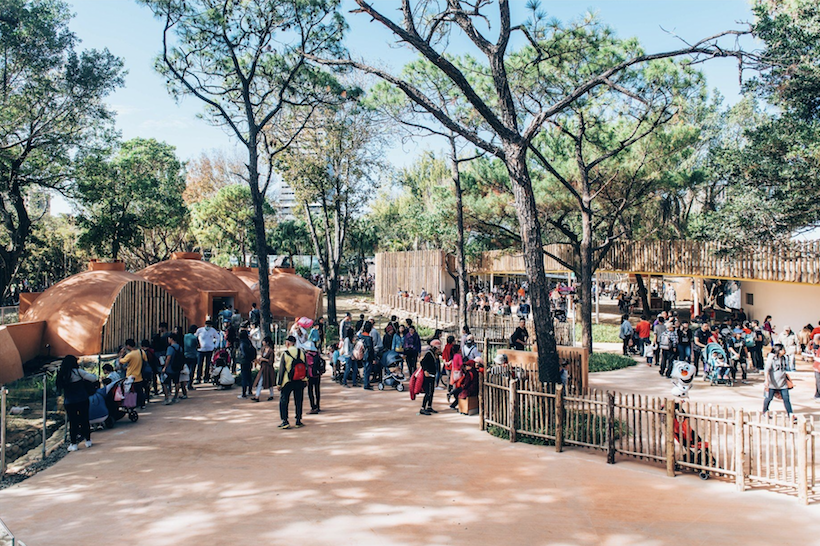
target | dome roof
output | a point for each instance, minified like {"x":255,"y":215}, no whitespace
{"x":76,"y":309}
{"x":195,"y":284}
{"x":291,"y":295}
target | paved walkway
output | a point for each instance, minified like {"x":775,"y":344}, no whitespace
{"x":369,"y":471}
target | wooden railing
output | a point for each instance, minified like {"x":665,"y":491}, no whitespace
{"x":482,"y":324}
{"x":745,"y":447}
{"x":797,"y":262}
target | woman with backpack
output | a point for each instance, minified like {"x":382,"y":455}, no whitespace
{"x":266,"y":378}
{"x":76,"y":385}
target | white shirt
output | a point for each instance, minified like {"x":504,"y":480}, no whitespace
{"x":207,"y":337}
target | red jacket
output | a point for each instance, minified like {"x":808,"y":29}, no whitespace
{"x":416,"y":384}
{"x":468,"y":383}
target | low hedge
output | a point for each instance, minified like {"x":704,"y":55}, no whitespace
{"x":606,"y":362}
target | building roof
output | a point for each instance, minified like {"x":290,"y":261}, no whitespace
{"x":194,"y":283}
{"x":291,"y":295}
{"x":75,"y":310}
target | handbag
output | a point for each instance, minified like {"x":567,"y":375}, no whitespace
{"x":90,"y":388}
{"x":789,"y":382}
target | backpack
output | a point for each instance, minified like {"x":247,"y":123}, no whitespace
{"x":316,"y":364}
{"x":149,"y":363}
{"x":664,"y":341}
{"x":749,"y":340}
{"x":358,"y":351}
{"x":298,"y":369}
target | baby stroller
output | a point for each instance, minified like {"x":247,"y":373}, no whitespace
{"x":716,"y":367}
{"x":221,"y":375}
{"x":124,"y":400}
{"x":98,"y":411}
{"x":391,"y":363}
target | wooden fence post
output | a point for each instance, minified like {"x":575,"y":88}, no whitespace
{"x":486,"y":348}
{"x":670,"y":437}
{"x":481,"y":399}
{"x":610,"y":427}
{"x":740,"y":451}
{"x":513,"y":408}
{"x":559,"y":418}
{"x":802,"y":461}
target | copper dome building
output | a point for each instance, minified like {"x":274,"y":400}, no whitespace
{"x":291,"y":295}
{"x":201,"y":288}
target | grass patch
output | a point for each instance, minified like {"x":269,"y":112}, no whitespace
{"x":601,"y":333}
{"x":606,"y":362}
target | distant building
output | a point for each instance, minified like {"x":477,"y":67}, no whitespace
{"x":286,"y":203}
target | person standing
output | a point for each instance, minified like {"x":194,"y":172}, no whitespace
{"x":668,"y":344}
{"x":207,"y":337}
{"x":159,"y":342}
{"x":429,"y":365}
{"x":291,"y":380}
{"x":775,"y":378}
{"x":412,"y":348}
{"x":174,"y":360}
{"x":245,"y":354}
{"x":346,"y":354}
{"x":685,"y":342}
{"x":789,"y":342}
{"x":315,"y":369}
{"x":658,"y":329}
{"x":255,"y":316}
{"x":320,"y":326}
{"x":266,"y":378}
{"x":133,"y":360}
{"x":736,"y":348}
{"x":69,"y":381}
{"x":346,"y":323}
{"x":625,"y":333}
{"x":756,"y":351}
{"x":189,"y":350}
{"x":368,"y":355}
{"x":644,"y":330}
{"x":701,"y":339}
{"x":519,"y":338}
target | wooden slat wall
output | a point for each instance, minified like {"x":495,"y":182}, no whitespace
{"x":797,"y":262}
{"x":410,"y":271}
{"x":139,"y":308}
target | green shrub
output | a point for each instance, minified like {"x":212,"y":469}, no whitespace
{"x":424,"y":332}
{"x":605,"y":362}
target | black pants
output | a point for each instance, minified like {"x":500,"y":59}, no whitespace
{"x":203,"y":365}
{"x":313,"y":392}
{"x":412,"y":358}
{"x":757,"y":357}
{"x":247,"y":378}
{"x":78,"y":426}
{"x":626,"y":345}
{"x":667,"y":359}
{"x":143,"y":389}
{"x":298,"y":390}
{"x":429,"y":390}
{"x":698,"y":355}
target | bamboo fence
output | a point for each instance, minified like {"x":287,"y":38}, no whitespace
{"x":749,"y":448}
{"x":136,"y":313}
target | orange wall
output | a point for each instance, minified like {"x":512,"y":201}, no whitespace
{"x":19,"y":343}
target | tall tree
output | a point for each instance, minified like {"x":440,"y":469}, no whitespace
{"x":290,"y":237}
{"x":135,"y":189}
{"x":51,"y":107}
{"x":209,"y":173}
{"x":510,"y":117}
{"x":245,"y":60}
{"x":334,"y":166}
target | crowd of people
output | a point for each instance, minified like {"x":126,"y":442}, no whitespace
{"x":744,"y":346}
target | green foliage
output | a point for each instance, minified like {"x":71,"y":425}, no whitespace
{"x":290,"y":237}
{"x":136,"y":187}
{"x":54,"y":254}
{"x":224,"y":223}
{"x":601,"y":333}
{"x":606,"y":362}
{"x":52,"y":106}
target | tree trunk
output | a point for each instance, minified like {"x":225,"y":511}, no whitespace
{"x":643,"y":294}
{"x":460,"y":260}
{"x":548,"y":370}
{"x":261,"y":239}
{"x":332,"y":289}
{"x":585,"y":269}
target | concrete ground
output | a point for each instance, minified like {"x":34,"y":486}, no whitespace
{"x":369,"y":471}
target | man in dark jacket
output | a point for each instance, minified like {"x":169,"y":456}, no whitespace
{"x":519,"y":338}
{"x":369,"y":354}
{"x":429,"y":366}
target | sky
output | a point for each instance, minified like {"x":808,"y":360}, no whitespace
{"x":145,"y":109}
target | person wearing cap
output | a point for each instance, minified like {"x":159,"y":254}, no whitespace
{"x":470,"y":351}
{"x":429,"y":366}
{"x":736,"y":348}
{"x":287,"y":386}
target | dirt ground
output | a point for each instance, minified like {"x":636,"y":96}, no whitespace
{"x":369,"y":471}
